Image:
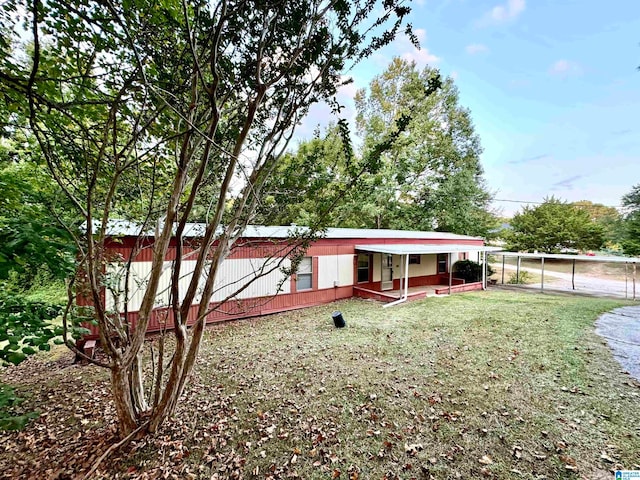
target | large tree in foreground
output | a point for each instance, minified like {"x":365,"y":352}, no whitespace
{"x":552,"y":227}
{"x":151,"y":109}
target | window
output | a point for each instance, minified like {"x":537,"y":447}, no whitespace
{"x":304,"y":276}
{"x":442,"y":262}
{"x":363,"y":268}
{"x":414,"y":259}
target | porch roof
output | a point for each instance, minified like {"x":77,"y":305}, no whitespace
{"x":409,"y":249}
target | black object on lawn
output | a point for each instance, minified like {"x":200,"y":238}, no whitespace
{"x":338,"y":320}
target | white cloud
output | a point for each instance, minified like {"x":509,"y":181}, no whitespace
{"x":503,"y":13}
{"x":422,"y":57}
{"x":320,"y":114}
{"x":565,"y":68}
{"x":421,"y":34}
{"x":476,"y":48}
{"x":403,"y":48}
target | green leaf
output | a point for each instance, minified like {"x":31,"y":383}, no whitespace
{"x":16,"y":357}
{"x":28,"y":350}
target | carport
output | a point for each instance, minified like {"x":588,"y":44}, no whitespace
{"x":627,"y":261}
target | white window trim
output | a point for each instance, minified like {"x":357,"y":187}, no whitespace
{"x":305,"y":274}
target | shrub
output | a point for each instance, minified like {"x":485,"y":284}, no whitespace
{"x":470,"y":271}
{"x":524,"y":278}
{"x":25,"y":326}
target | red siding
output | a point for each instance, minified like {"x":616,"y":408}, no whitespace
{"x":252,"y":307}
{"x":259,"y":248}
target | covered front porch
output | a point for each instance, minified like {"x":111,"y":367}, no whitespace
{"x":410,"y":271}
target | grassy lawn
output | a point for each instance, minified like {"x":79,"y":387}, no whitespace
{"x":477,"y":385}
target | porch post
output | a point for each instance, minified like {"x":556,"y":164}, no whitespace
{"x":573,"y":275}
{"x":542,"y":277}
{"x":406,"y":276}
{"x":634,"y":281}
{"x":518,"y":272}
{"x":451,"y":270}
{"x":401,"y":279}
{"x":484,"y":270}
{"x":502,"y":269}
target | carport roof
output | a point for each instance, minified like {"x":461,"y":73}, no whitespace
{"x":410,"y":249}
{"x":566,"y":256}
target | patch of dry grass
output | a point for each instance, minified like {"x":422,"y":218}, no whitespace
{"x":477,"y":385}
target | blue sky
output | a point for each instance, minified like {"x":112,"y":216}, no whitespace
{"x":552,"y":86}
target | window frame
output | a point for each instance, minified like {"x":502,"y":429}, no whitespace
{"x":304,"y":274}
{"x":442,"y":261}
{"x":359,"y":268}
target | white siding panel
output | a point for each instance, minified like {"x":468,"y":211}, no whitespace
{"x":345,"y":270}
{"x":335,"y":268}
{"x":233,"y":274}
{"x":377,"y":267}
{"x":427,"y":266}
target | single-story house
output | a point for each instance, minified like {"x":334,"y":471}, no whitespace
{"x":387,"y":265}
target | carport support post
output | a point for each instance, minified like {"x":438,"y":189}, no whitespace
{"x":503,"y":269}
{"x":542,"y":277}
{"x":518,"y":272}
{"x":573,"y":275}
{"x":626,"y":289}
{"x":451,"y":271}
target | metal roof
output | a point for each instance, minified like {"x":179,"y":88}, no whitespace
{"x":127,"y":228}
{"x":408,"y":249}
{"x":565,"y":256}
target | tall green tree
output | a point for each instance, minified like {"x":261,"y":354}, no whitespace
{"x":302,"y":189}
{"x":631,"y":222}
{"x":608,"y":217}
{"x":196,"y":101}
{"x":552,"y":227}
{"x":432,"y":178}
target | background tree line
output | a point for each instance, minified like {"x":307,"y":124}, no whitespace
{"x":556,"y":226}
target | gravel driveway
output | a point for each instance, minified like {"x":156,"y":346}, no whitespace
{"x":621,"y":329}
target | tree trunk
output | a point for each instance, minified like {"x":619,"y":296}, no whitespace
{"x":169,"y":396}
{"x":125,"y":409}
{"x":137,"y":385}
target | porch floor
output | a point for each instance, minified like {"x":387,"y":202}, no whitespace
{"x":428,"y":290}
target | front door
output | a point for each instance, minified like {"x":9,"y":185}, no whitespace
{"x":387,"y":272}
